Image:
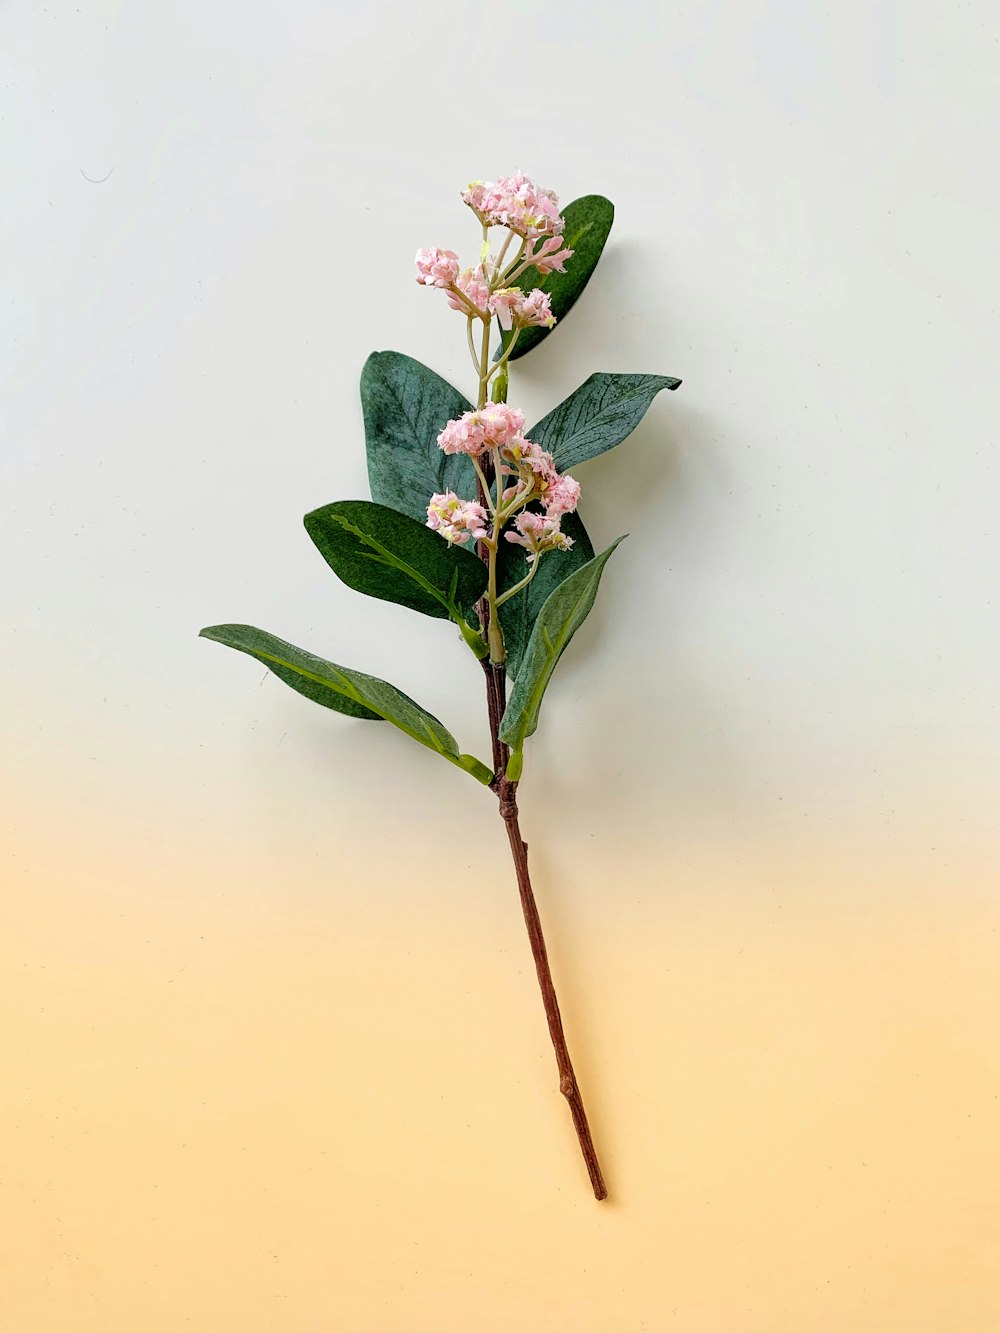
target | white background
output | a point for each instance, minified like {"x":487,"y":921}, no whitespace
{"x":800,"y":624}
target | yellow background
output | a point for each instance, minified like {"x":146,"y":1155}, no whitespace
{"x":314,"y":1090}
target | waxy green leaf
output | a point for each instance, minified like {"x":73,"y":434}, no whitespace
{"x":565,"y":610}
{"x":406,"y":406}
{"x":386,"y":554}
{"x":518,"y":615}
{"x":588,"y":222}
{"x":346,"y":691}
{"x":599,"y":415}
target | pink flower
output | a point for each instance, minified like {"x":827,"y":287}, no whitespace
{"x":561,"y":496}
{"x":515,"y":202}
{"x":472,"y":283}
{"x":511,"y":306}
{"x":463,"y":435}
{"x":474,"y":432}
{"x":456,"y":520}
{"x":500,"y":423}
{"x":436,"y":267}
{"x":519,"y":492}
{"x":536,"y":308}
{"x":506,"y":305}
{"x":475,"y":195}
{"x":529,"y":459}
{"x":538,"y":533}
{"x":547,"y":256}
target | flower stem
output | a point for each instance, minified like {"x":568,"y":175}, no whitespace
{"x":515,"y":266}
{"x":498,"y":266}
{"x":511,"y":592}
{"x":496,"y":690}
{"x":502,"y":363}
{"x":484,"y":364}
{"x":486,"y":495}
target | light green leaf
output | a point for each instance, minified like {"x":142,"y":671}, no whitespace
{"x":599,"y":415}
{"x":588,"y":222}
{"x":389,"y":555}
{"x":562,"y":615}
{"x":518,"y":615}
{"x":346,"y":691}
{"x":406,"y":406}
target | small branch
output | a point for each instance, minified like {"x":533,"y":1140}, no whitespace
{"x":501,"y":364}
{"x":498,"y":266}
{"x":472,"y":346}
{"x":524,"y":582}
{"x":512,"y":269}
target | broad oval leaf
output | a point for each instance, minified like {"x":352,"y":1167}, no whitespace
{"x":406,"y":406}
{"x":346,"y":691}
{"x":599,"y":415}
{"x":518,"y":615}
{"x":385,"y":554}
{"x":564,"y":612}
{"x":588,"y":221}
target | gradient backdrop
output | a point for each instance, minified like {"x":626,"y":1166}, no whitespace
{"x":274,"y":1060}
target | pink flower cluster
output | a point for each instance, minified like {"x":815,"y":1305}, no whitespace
{"x":548,"y":256}
{"x":473,"y":286}
{"x":437,"y":267}
{"x":539,"y":479}
{"x":530,"y":470}
{"x":473,"y":433}
{"x":517,"y":203}
{"x":456,"y":520}
{"x":539,"y":533}
{"x":511,"y":306}
{"x":561,"y":496}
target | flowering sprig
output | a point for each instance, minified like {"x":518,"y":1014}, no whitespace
{"x":493,"y":431}
{"x":474,"y":514}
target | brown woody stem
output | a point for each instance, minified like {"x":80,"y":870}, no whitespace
{"x":506,"y":790}
{"x":496,"y":693}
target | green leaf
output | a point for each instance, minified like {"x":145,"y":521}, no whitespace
{"x":588,"y":222}
{"x":406,"y":406}
{"x":564,"y":612}
{"x":385,"y":554}
{"x":596,"y":417}
{"x":346,"y":691}
{"x":518,"y":615}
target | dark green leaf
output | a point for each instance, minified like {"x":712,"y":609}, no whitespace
{"x":600,"y":414}
{"x":588,"y":222}
{"x":346,"y":691}
{"x":562,"y":615}
{"x":406,"y":406}
{"x":517,"y":616}
{"x":385,"y":554}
